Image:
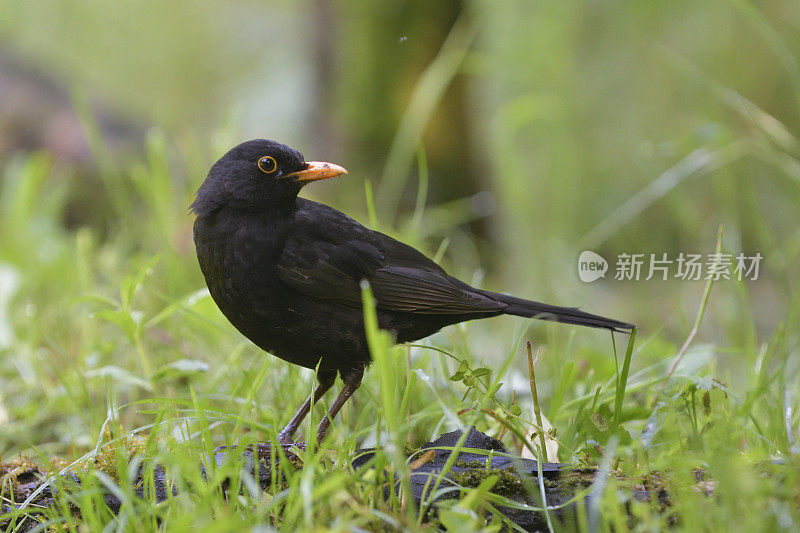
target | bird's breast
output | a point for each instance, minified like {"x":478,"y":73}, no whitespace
{"x":239,"y":263}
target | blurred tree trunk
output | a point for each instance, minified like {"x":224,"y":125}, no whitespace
{"x":323,"y":132}
{"x":384,"y":49}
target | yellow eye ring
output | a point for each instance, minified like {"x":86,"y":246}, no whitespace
{"x":267,"y":164}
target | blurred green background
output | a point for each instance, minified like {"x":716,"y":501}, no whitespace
{"x":504,"y":136}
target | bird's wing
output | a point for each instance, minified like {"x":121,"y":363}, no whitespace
{"x":401,"y":278}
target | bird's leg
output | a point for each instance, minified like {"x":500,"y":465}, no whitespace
{"x":351,"y":383}
{"x":286,"y":434}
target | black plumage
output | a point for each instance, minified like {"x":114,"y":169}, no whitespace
{"x":286,"y":271}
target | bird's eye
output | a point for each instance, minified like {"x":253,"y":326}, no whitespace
{"x":267,"y":164}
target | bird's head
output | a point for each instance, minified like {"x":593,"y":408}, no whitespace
{"x":259,"y":175}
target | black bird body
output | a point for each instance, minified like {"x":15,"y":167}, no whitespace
{"x":286,"y":271}
{"x":296,"y":292}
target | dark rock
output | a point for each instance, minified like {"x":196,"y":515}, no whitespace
{"x":518,"y":477}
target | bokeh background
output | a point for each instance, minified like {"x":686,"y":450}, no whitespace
{"x":504,"y":137}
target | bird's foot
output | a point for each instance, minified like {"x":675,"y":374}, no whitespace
{"x":265,"y":451}
{"x":288,"y":446}
{"x":285,"y":439}
{"x":265,"y":461}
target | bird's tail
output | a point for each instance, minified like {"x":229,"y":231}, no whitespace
{"x":568,"y":315}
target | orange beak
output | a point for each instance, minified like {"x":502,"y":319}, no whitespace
{"x":317,"y":170}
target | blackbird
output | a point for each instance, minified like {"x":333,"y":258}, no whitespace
{"x":286,"y":272}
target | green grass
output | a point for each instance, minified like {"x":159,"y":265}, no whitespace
{"x":117,"y":353}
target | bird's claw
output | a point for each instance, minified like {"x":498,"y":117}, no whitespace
{"x":264,"y":451}
{"x":285,"y":440}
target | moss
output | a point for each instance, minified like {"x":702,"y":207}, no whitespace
{"x":109,"y":455}
{"x":59,"y":463}
{"x":508,"y":483}
{"x":571,"y":481}
{"x":470,"y":464}
{"x":552,"y":483}
{"x":20,"y":469}
{"x":410,"y":448}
